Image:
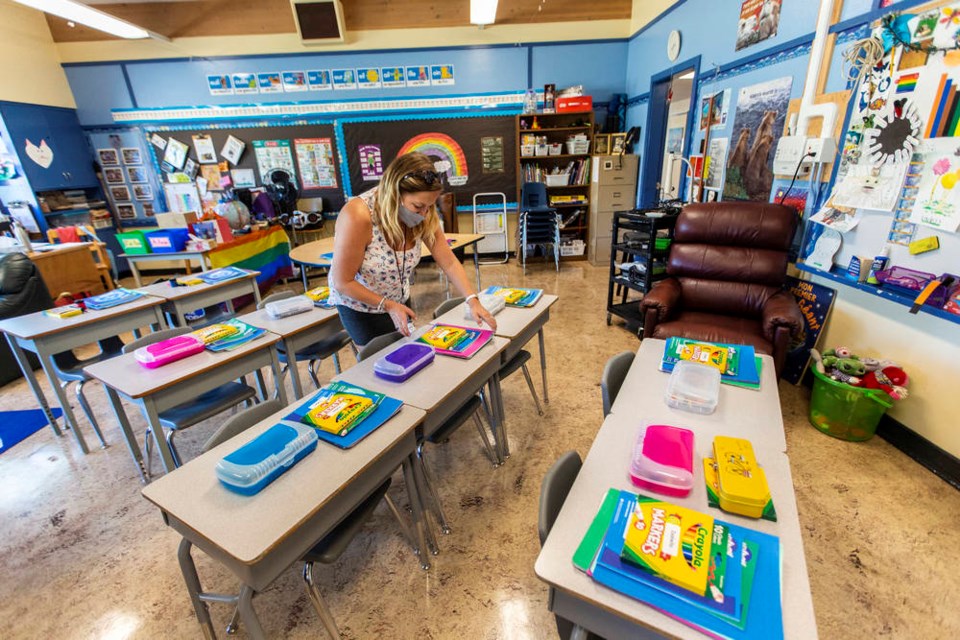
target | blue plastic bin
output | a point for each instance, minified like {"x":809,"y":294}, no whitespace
{"x":168,"y":240}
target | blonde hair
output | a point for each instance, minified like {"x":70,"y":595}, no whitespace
{"x":408,"y":173}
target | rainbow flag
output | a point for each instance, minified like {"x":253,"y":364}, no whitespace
{"x":907,"y":82}
{"x":266,"y":251}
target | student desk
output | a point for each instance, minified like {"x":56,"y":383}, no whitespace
{"x":751,"y":414}
{"x":157,"y":390}
{"x":186,"y":256}
{"x":45,"y":336}
{"x":310,"y":254}
{"x":297,"y":332}
{"x":181,"y":300}
{"x":258,"y":537}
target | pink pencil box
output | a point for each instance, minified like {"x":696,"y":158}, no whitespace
{"x":169,"y":350}
{"x":663,"y":460}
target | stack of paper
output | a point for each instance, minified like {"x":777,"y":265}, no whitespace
{"x":738,"y":363}
{"x":111,"y":299}
{"x":221,"y":275}
{"x":343,"y":414}
{"x":451,"y":340}
{"x":516,"y":296}
{"x":719,"y":578}
{"x":228,"y":335}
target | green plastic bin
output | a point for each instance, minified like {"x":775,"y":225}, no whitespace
{"x":845,"y":412}
{"x":133,"y":242}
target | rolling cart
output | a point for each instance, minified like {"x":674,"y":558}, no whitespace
{"x":492,"y":223}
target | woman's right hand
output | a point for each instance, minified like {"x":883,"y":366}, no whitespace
{"x":401,"y":315}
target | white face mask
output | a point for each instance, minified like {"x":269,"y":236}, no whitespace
{"x":409,"y":218}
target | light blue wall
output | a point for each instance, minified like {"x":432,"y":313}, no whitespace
{"x":97,"y":89}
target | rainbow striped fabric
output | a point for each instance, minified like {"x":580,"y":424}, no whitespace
{"x":266,"y":251}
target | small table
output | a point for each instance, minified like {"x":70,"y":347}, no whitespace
{"x":310,"y":254}
{"x":45,"y":336}
{"x":297,"y":332}
{"x":258,"y":537}
{"x":186,"y":256}
{"x":157,"y":390}
{"x":181,"y":300}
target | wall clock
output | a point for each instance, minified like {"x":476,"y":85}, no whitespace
{"x":673,"y":45}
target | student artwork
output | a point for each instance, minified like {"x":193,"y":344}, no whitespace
{"x":721,"y":107}
{"x":714,"y":163}
{"x":937,"y":167}
{"x":113,"y":175}
{"x":795,"y":198}
{"x":137,"y":175}
{"x":233,"y":149}
{"x":120,"y":193}
{"x":191,"y":168}
{"x":108,"y":157}
{"x":842,"y":221}
{"x":825,"y":246}
{"x":174,"y":156}
{"x":870,"y":187}
{"x":371,"y":161}
{"x":759,"y":20}
{"x":203,"y":145}
{"x":892,"y":140}
{"x":441,"y":147}
{"x":142,"y":192}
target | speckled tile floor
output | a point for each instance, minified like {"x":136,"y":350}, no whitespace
{"x":84,"y":556}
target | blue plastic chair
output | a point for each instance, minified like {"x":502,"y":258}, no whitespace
{"x":539,"y":223}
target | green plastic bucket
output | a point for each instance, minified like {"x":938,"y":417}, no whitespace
{"x":845,"y":412}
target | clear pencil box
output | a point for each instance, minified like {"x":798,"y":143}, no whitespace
{"x":169,"y":350}
{"x":262,"y":460}
{"x":401,"y":363}
{"x":289,"y":306}
{"x":663,"y":460}
{"x":693,"y":387}
{"x":493,"y":304}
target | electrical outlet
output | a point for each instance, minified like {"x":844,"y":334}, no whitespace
{"x":789,"y":152}
{"x":824,"y":150}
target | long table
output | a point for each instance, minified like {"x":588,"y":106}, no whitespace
{"x":181,"y":300}
{"x":613,"y":615}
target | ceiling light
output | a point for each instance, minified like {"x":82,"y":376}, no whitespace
{"x":483,"y":12}
{"x":81,"y":13}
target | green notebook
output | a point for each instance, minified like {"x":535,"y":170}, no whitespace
{"x":587,"y":550}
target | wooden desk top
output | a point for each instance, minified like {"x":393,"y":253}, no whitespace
{"x":291,"y":325}
{"x":166,"y":291}
{"x":133,"y":380}
{"x":248,"y":527}
{"x":309,"y":253}
{"x":511,"y":321}
{"x":38,"y":324}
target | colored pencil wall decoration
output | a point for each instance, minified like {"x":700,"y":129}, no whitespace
{"x":944,"y":119}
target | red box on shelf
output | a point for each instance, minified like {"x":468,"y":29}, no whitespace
{"x":574,"y":103}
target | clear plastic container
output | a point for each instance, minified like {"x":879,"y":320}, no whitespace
{"x":401,"y":363}
{"x":693,"y":387}
{"x":262,"y":460}
{"x":663,"y":460}
{"x":289,"y":306}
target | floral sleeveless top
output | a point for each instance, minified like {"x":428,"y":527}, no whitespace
{"x":384,"y":271}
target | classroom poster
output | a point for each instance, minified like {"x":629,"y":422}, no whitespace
{"x":815,"y":302}
{"x":344,"y":79}
{"x":368,"y":78}
{"x":757,"y":125}
{"x":371,"y":162}
{"x":319,"y":80}
{"x":183,"y":197}
{"x":244,"y":83}
{"x":674,"y":141}
{"x":243,"y":178}
{"x":418,"y":76}
{"x":933,"y":177}
{"x":174,"y":156}
{"x":294,"y":81}
{"x":211,"y":173}
{"x":759,"y":20}
{"x":393,"y":77}
{"x":441,"y":75}
{"x":203,"y":145}
{"x":158,"y":141}
{"x":491,"y":154}
{"x":219,"y":85}
{"x":270,"y":82}
{"x":273,"y":154}
{"x":131,"y":155}
{"x":795,"y":198}
{"x":721,"y":108}
{"x":714,"y":163}
{"x":232,"y":149}
{"x":315,"y":159}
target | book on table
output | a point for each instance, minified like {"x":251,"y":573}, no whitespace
{"x":343,"y":413}
{"x":738,"y":363}
{"x":65,"y":311}
{"x":228,"y":335}
{"x":111,"y":299}
{"x":516,"y":296}
{"x":320,"y":297}
{"x":221,"y":275}
{"x":456,"y":341}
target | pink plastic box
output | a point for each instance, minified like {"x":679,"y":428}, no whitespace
{"x":663,"y":460}
{"x":169,"y":350}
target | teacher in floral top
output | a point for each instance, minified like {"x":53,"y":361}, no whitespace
{"x":377,"y":246}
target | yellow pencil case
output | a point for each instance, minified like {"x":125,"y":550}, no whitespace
{"x":743,"y":485}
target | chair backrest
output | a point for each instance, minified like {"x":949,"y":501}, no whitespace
{"x":553,"y":492}
{"x":241,"y":421}
{"x":378,"y":343}
{"x":156,"y":336}
{"x":730,"y":257}
{"x":446,"y":305}
{"x":273,"y":297}
{"x":533,"y":195}
{"x":613,"y":374}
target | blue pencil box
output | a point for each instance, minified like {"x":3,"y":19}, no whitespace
{"x":401,"y":363}
{"x":262,"y":460}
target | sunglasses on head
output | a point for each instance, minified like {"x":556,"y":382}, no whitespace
{"x":429,"y":177}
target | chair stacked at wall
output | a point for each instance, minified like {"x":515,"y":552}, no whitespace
{"x":538,"y":223}
{"x":726,"y":274}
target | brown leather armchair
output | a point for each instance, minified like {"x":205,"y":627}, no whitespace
{"x":726,"y":271}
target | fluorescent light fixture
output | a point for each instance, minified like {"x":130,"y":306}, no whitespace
{"x":90,"y":17}
{"x":687,"y":76}
{"x":483,"y":12}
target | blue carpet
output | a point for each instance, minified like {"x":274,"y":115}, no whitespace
{"x":16,"y":426}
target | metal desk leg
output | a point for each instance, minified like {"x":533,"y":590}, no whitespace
{"x":500,"y":423}
{"x":476,"y":266}
{"x":27,"y":370}
{"x":128,"y":434}
{"x":189,"y":571}
{"x":249,"y":615}
{"x":292,"y":367}
{"x":159,"y":437}
{"x":416,"y":506}
{"x":543,"y":366}
{"x":277,"y":378}
{"x":134,"y":271}
{"x":303,"y":275}
{"x":46,"y":361}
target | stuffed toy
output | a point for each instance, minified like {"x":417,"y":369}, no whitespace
{"x":840,"y":364}
{"x":891,"y":379}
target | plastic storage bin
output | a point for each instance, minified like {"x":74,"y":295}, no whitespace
{"x":663,"y":460}
{"x":262,"y":460}
{"x":557,"y":179}
{"x":169,"y":350}
{"x":401,"y":363}
{"x":168,"y":240}
{"x":845,"y":412}
{"x":133,"y":242}
{"x":693,"y":387}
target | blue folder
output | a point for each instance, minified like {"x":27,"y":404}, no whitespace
{"x":387,"y":408}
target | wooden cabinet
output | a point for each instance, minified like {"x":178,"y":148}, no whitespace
{"x":554,"y":148}
{"x":70,"y":268}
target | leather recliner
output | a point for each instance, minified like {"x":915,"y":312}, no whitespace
{"x":22,"y":291}
{"x":726,"y":272}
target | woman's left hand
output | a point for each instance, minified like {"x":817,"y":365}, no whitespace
{"x":483,"y":316}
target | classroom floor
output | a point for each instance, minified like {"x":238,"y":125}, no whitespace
{"x":84,"y":556}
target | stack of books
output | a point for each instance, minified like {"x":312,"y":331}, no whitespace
{"x":738,"y":363}
{"x":343,"y":414}
{"x":320,"y":297}
{"x":719,"y":578}
{"x":111,"y":299}
{"x":515,"y":296}
{"x":228,"y":335}
{"x":221,"y":275}
{"x":451,"y":340}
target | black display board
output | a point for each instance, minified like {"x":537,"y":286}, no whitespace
{"x":333,"y":197}
{"x":481,"y":151}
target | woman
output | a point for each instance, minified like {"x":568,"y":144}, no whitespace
{"x":377,"y":246}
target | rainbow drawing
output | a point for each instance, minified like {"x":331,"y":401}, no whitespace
{"x":907,"y":82}
{"x":446,"y":149}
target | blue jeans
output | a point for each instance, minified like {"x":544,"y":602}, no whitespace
{"x":364,"y":327}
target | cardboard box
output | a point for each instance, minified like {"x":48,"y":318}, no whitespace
{"x":176,"y":220}
{"x":574,"y":103}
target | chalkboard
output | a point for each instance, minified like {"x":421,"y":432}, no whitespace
{"x":479,"y":153}
{"x":333,"y":196}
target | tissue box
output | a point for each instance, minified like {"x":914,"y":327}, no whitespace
{"x":574,"y":103}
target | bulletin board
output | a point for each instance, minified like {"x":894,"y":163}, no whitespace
{"x":333,"y":196}
{"x":478,"y":154}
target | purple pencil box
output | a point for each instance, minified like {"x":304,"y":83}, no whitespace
{"x":401,"y":363}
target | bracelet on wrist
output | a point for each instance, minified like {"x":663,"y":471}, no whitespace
{"x":381,"y":303}
{"x":472,"y":296}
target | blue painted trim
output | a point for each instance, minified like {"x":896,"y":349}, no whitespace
{"x":657,"y":19}
{"x":875,"y":14}
{"x":126,"y":79}
{"x":529,"y":67}
{"x":552,"y":43}
{"x":35,"y":104}
{"x":344,"y":165}
{"x":635,"y":100}
{"x":799,"y":41}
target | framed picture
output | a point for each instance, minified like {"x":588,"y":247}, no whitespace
{"x":113,"y":175}
{"x":137,"y":174}
{"x":143,"y":192}
{"x":601,"y":144}
{"x":131,"y":155}
{"x":120,"y":193}
{"x":108,"y":157}
{"x":617,"y":143}
{"x":126,"y":211}
{"x":147,"y":209}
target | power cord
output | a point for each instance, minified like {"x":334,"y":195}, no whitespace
{"x":795,"y":174}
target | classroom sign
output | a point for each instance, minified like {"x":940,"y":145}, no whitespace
{"x":294,"y":81}
{"x":368,"y":78}
{"x":319,"y":80}
{"x":815,"y":302}
{"x":441,"y":74}
{"x":344,"y":79}
{"x":219,"y":85}
{"x":270,"y":82}
{"x":244,"y":83}
{"x":418,"y":76}
{"x":393,"y":77}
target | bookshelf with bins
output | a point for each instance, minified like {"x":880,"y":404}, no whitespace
{"x":554,"y":148}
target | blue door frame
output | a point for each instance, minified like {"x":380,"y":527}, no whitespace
{"x":657,"y":129}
